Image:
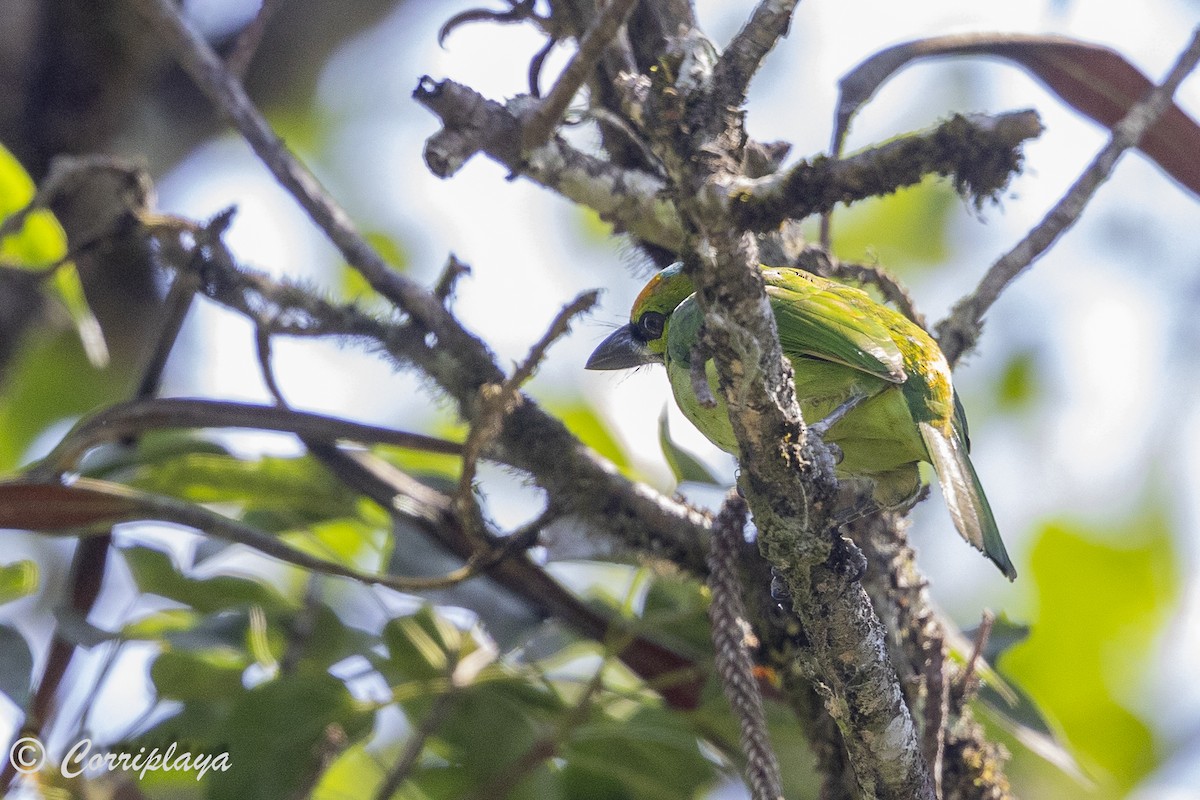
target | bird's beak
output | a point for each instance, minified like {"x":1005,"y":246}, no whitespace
{"x":621,"y":350}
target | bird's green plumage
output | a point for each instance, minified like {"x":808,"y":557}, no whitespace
{"x":841,"y":344}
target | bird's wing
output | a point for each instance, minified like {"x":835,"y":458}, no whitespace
{"x":824,"y":324}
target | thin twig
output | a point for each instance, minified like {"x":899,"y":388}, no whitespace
{"x":960,"y":330}
{"x":249,"y":39}
{"x":262,"y":349}
{"x":454,"y":269}
{"x":120,"y":421}
{"x":111,"y":503}
{"x":175,"y":310}
{"x":981,"y":639}
{"x":539,"y":125}
{"x":498,"y":401}
{"x":744,"y":55}
{"x":225,"y":91}
{"x":937,"y":699}
{"x":438,"y":711}
{"x":727,"y":617}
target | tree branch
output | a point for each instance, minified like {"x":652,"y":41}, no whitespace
{"x":127,"y":419}
{"x":960,"y":330}
{"x":632,"y":200}
{"x":542,"y":121}
{"x":577,"y":480}
{"x":744,"y":55}
{"x":980,"y":152}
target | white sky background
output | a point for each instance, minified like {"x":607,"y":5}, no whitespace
{"x":1103,"y":303}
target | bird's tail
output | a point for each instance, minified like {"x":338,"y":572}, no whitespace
{"x":964,"y":496}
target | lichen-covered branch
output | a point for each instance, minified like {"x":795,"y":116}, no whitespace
{"x":786,"y":477}
{"x":632,"y":200}
{"x":980,"y":153}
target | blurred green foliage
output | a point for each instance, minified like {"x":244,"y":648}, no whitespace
{"x":1102,"y":597}
{"x":905,"y":231}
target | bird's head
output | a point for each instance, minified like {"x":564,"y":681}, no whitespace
{"x":644,"y":339}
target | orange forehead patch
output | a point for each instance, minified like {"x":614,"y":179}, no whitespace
{"x":645,"y":294}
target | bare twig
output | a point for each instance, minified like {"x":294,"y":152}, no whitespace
{"x":744,"y":55}
{"x":110,"y":503}
{"x":937,"y":699}
{"x":979,"y":151}
{"x":539,"y":125}
{"x":249,"y":39}
{"x":981,"y":639}
{"x":557,"y":329}
{"x":127,"y":419}
{"x":497,"y":401}
{"x":676,"y":678}
{"x":454,"y":269}
{"x":262,"y":348}
{"x":729,"y":626}
{"x":223,"y":88}
{"x":960,"y":330}
{"x":438,"y":711}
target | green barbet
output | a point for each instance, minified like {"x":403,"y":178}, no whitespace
{"x":875,"y":383}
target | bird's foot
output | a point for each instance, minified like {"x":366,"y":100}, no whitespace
{"x":822,"y":427}
{"x":849,"y":559}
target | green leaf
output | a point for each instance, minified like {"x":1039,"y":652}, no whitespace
{"x":1100,"y":603}
{"x":420,"y":644}
{"x":650,"y":755}
{"x":583,"y":421}
{"x":281,"y":493}
{"x":594,"y":230}
{"x":51,"y":380}
{"x":354,"y":773}
{"x":155,"y":573}
{"x":684,"y":466}
{"x":350,"y":542}
{"x":199,"y":675}
{"x":1017,"y":388}
{"x":278,"y":732}
{"x":40,"y":243}
{"x":354,"y":285}
{"x":16,"y":666}
{"x":18,"y":579}
{"x":160,"y":624}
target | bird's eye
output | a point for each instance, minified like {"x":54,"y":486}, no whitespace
{"x":651,"y":325}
